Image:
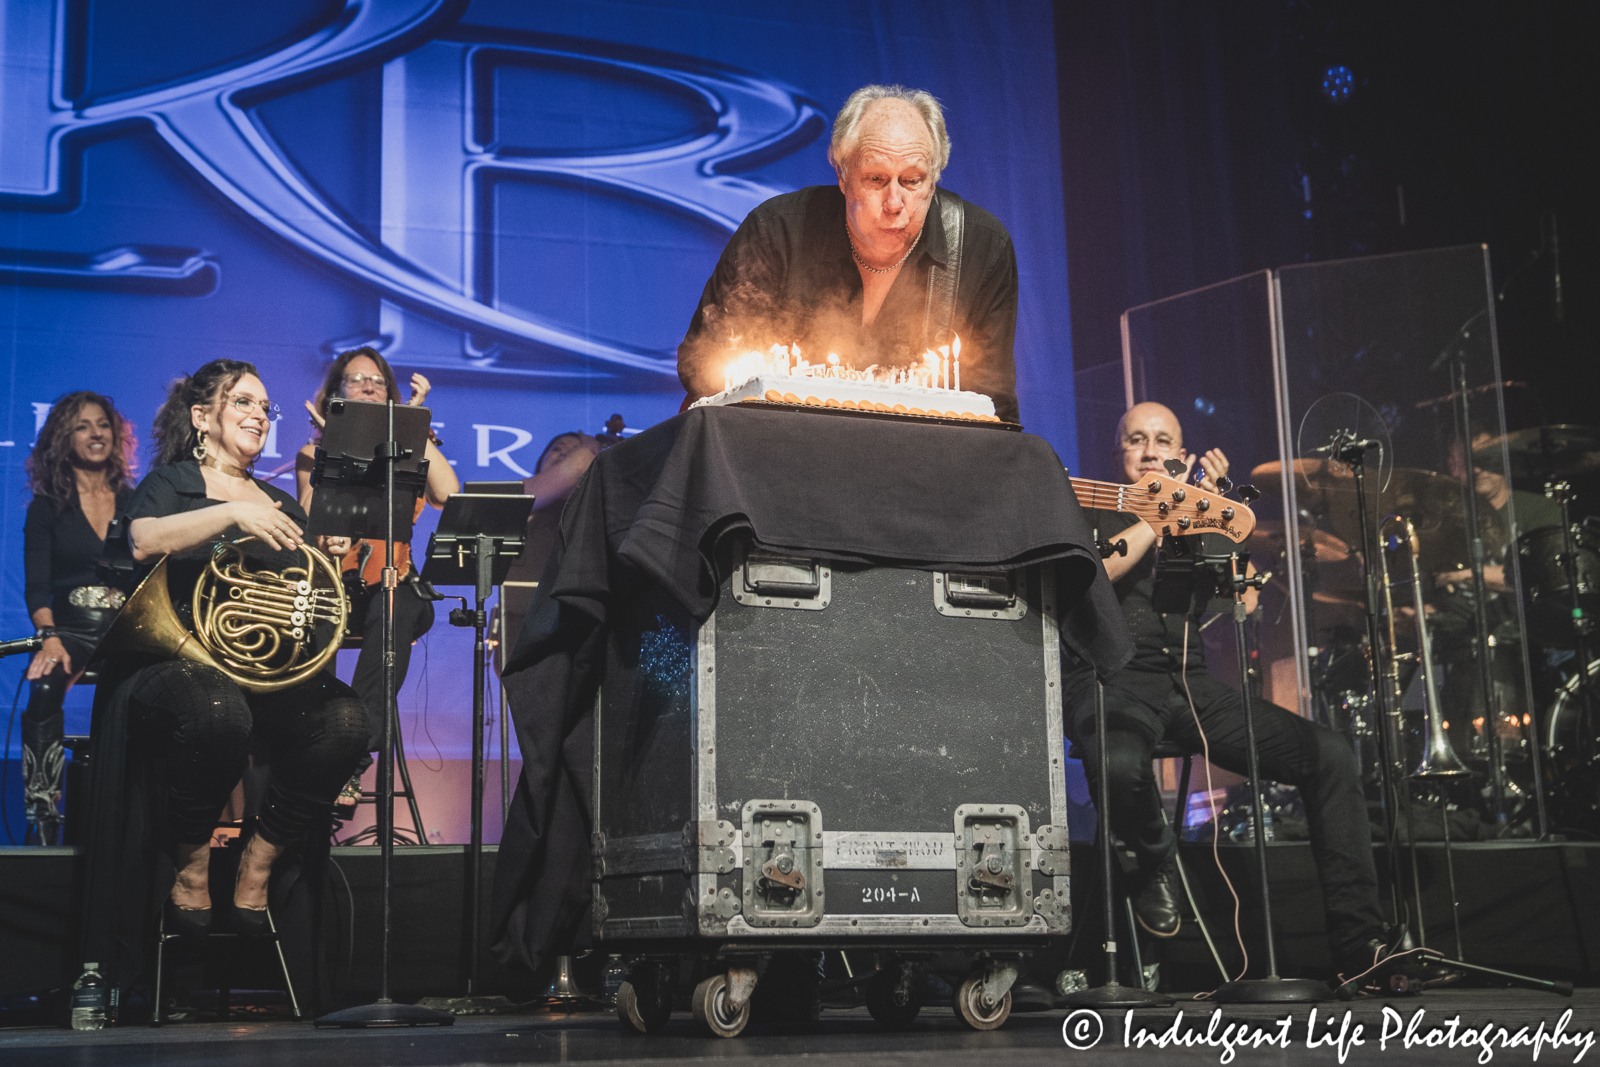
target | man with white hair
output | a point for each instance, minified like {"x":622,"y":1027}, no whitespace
{"x":876,"y":269}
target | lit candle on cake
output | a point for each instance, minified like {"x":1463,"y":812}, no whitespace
{"x":956,"y":348}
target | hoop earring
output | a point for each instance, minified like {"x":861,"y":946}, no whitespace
{"x":200,"y":447}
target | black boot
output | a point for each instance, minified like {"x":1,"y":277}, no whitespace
{"x":1155,"y":899}
{"x":1384,"y":964}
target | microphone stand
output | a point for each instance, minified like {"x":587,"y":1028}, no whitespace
{"x":385,"y":1011}
{"x":1351,"y":452}
{"x":1272,"y":989}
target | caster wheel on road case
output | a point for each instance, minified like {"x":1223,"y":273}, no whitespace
{"x":970,"y":1009}
{"x":644,"y":1011}
{"x":711,"y":1008}
{"x":881,"y":1003}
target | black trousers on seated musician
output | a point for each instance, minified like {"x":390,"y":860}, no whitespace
{"x":1144,"y":708}
{"x":203,"y":728}
{"x":1146,"y":704}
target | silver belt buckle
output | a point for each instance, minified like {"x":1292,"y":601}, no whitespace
{"x":96,"y":596}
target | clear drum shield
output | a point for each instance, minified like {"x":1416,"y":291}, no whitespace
{"x":1397,"y":354}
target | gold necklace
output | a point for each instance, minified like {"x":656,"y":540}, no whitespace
{"x":226,"y":468}
{"x":869,"y":266}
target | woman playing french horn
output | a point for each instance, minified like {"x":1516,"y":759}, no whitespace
{"x":201,"y":724}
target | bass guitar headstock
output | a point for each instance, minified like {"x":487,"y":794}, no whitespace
{"x":1174,"y":509}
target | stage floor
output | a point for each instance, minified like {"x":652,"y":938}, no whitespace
{"x":844,"y":1037}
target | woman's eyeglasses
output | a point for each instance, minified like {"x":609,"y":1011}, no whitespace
{"x":352,"y":381}
{"x":244,"y":405}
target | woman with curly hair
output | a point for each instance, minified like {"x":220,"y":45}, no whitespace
{"x":81,"y":473}
{"x":199,"y":725}
{"x":363,"y":374}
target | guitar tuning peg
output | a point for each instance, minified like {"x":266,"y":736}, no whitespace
{"x":1175,"y":467}
{"x":1249,"y":494}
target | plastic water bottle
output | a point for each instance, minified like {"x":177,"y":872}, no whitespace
{"x":89,"y":999}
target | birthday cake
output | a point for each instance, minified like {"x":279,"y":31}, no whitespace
{"x":781,"y":378}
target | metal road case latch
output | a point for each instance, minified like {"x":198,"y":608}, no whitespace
{"x":766,"y":580}
{"x":978,"y":596}
{"x":710,"y":847}
{"x":780,"y":871}
{"x":993,"y":869}
{"x":783,"y":857}
{"x":993,"y":853}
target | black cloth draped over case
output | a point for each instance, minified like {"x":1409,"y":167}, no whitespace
{"x":652,"y":511}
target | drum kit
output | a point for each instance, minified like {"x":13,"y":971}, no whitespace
{"x":1536,"y":773}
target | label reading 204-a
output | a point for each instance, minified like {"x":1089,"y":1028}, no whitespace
{"x":871,"y":894}
{"x":892,"y":892}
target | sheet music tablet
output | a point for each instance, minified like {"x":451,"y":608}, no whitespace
{"x":349,"y":497}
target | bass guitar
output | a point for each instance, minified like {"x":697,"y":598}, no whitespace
{"x":1172,"y":508}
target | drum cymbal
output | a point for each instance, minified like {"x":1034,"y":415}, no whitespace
{"x":1541,"y":452}
{"x":1430,"y":500}
{"x":1270,"y":538}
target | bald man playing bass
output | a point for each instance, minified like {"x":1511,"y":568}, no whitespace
{"x":1146,"y":703}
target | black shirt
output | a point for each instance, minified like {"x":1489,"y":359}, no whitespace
{"x":60,"y":549}
{"x":179,"y":488}
{"x":1157,"y":636}
{"x":787,"y":276}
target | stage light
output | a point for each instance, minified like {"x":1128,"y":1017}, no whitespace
{"x":1338,"y":83}
{"x":1204,"y":406}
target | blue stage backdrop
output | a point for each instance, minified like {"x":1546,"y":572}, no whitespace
{"x":521,"y":200}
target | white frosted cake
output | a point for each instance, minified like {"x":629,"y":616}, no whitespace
{"x":903,"y":399}
{"x":781,"y":375}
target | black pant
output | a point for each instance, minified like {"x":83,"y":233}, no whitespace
{"x":1144,"y":708}
{"x":43,"y":756}
{"x":413,"y":617}
{"x":204,"y":728}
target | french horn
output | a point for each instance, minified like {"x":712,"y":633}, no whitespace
{"x":255,"y":626}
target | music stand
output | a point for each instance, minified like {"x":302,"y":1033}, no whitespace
{"x":362,"y":494}
{"x":479,"y":536}
{"x":349,"y":472}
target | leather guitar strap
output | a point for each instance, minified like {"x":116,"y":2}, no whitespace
{"x":944,"y":281}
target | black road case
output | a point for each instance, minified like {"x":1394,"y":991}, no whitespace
{"x":841,"y":757}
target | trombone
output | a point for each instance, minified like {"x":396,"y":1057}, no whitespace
{"x":1439,"y":759}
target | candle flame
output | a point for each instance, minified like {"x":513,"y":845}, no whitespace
{"x":833,"y":358}
{"x":956,"y":346}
